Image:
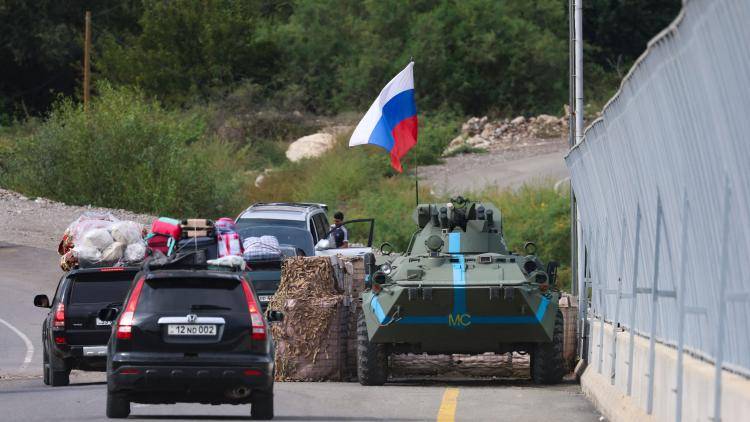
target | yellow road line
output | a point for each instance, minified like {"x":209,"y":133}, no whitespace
{"x":447,"y":412}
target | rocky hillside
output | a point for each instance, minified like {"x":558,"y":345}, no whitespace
{"x":481,"y":133}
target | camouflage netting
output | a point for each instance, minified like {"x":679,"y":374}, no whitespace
{"x":312,"y":343}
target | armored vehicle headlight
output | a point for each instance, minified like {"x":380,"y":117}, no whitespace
{"x":386,"y":268}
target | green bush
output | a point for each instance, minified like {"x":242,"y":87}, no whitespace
{"x":127,"y":152}
{"x":436,"y":130}
{"x":539,"y":214}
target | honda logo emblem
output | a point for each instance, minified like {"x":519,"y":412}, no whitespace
{"x":191,"y":318}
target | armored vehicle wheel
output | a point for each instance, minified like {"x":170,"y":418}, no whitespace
{"x":547,"y":364}
{"x":372,"y":358}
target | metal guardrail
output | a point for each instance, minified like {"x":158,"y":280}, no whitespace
{"x":662,"y":181}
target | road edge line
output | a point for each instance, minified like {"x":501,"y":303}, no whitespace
{"x":27,"y":342}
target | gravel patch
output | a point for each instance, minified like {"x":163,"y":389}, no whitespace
{"x":40,"y":222}
{"x":527,"y":161}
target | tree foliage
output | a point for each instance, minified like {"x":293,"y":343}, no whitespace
{"x":472,"y":56}
{"x":41,"y":48}
{"x":126,"y":152}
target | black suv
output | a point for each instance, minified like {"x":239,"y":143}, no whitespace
{"x":190,"y":335}
{"x":72,"y":335}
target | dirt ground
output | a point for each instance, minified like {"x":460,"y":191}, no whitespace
{"x":40,"y":223}
{"x":510,"y":168}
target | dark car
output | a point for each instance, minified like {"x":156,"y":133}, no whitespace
{"x":190,"y":335}
{"x":72,"y":335}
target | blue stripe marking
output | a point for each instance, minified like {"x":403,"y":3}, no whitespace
{"x":375,"y":305}
{"x":419,"y":320}
{"x":484,"y":320}
{"x":398,"y":108}
{"x":503,"y":320}
{"x":542,"y":309}
{"x":454,"y":242}
{"x":459,"y":287}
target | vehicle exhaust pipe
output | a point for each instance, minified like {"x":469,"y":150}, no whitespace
{"x":239,"y":392}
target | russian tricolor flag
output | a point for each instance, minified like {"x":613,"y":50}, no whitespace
{"x":391,"y":121}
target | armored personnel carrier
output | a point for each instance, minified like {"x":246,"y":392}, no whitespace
{"x":458,"y":289}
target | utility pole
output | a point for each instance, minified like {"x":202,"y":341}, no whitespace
{"x":571,"y":143}
{"x":87,"y":62}
{"x":580,"y":251}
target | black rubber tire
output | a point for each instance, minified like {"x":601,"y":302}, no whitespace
{"x":45,"y":368}
{"x":261,"y":407}
{"x":547,"y":364}
{"x":372,"y":358}
{"x":57,"y":378}
{"x":118,"y":407}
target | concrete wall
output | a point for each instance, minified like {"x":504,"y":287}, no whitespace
{"x":698,"y":384}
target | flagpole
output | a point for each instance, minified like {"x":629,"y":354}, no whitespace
{"x":416,"y":174}
{"x":416,"y":161}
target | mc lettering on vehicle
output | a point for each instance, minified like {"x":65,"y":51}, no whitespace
{"x":459,"y":320}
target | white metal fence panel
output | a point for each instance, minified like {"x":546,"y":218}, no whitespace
{"x":675,"y":138}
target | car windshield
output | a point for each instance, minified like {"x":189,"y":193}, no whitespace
{"x":287,"y":236}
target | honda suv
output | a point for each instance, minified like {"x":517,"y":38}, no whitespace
{"x":190,"y":335}
{"x":72,"y":335}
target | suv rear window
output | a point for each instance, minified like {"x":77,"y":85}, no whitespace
{"x":185,"y":295}
{"x":100,"y":287}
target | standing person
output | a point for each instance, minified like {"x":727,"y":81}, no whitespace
{"x":338,"y":231}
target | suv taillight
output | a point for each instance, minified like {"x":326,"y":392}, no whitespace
{"x":256,"y":319}
{"x":125,"y":323}
{"x":59,"y":321}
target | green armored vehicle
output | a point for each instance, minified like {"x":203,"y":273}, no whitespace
{"x":458,"y":289}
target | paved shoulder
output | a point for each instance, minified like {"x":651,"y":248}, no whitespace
{"x":24,"y":272}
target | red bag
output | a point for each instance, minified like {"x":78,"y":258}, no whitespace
{"x":165,"y":232}
{"x":229,"y":244}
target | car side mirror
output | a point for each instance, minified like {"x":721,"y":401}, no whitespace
{"x":322,"y":245}
{"x":42,"y":301}
{"x":552,"y":267}
{"x":107,"y":314}
{"x":275,"y":316}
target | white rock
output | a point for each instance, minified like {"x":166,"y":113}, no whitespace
{"x":457,"y":141}
{"x":518,"y":120}
{"x":259,"y":180}
{"x":488,"y":130}
{"x":475,"y":140}
{"x":546,"y":119}
{"x":262,"y":177}
{"x":310,"y":146}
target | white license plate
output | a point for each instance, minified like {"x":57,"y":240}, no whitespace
{"x":265,"y":298}
{"x":191,"y":330}
{"x":100,"y":322}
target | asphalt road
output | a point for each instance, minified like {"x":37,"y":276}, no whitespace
{"x":27,"y":271}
